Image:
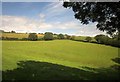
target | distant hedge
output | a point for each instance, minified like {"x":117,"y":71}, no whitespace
{"x":8,"y":38}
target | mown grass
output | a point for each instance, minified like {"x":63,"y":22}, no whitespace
{"x":63,"y":52}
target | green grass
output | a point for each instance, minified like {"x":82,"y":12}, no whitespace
{"x":58,"y":60}
{"x":62,"y":52}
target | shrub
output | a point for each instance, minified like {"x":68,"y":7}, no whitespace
{"x":48,"y":36}
{"x":102,"y":39}
{"x":8,"y":38}
{"x":67,"y":36}
{"x":88,"y":39}
{"x":24,"y":38}
{"x":33,"y":36}
{"x":61,"y":36}
{"x":72,"y":38}
{"x":40,"y":38}
{"x":13,"y":31}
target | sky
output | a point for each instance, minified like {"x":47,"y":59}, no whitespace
{"x":41,"y":17}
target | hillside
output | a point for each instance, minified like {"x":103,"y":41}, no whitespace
{"x":18,"y":35}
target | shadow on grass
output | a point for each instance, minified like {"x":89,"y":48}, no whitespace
{"x":117,"y":67}
{"x":34,"y":70}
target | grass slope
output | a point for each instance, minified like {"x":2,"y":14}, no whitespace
{"x":63,"y":52}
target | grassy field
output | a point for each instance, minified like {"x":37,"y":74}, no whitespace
{"x":61,"y":58}
{"x":65,"y":52}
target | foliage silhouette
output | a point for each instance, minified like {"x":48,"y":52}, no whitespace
{"x":61,"y":36}
{"x":33,"y":36}
{"x":88,"y":39}
{"x":106,"y":14}
{"x":48,"y":36}
{"x":34,"y":70}
{"x":117,"y":60}
{"x":117,"y":67}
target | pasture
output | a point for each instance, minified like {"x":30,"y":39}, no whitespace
{"x":57,"y":54}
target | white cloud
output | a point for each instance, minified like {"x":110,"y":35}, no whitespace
{"x":88,"y":30}
{"x":23,"y":24}
{"x":67,"y":25}
{"x":42,"y":15}
{"x":54,"y":9}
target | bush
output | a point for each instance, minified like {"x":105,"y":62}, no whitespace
{"x":67,"y":36}
{"x":13,"y":31}
{"x":41,"y":38}
{"x":88,"y":39}
{"x":33,"y":36}
{"x":48,"y":36}
{"x":24,"y":38}
{"x":61,"y":36}
{"x":72,"y":38}
{"x":102,"y":39}
{"x":8,"y":38}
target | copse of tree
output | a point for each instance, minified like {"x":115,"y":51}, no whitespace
{"x":72,"y":38}
{"x":98,"y":38}
{"x":32,"y":37}
{"x":68,"y":37}
{"x":106,"y":14}
{"x":13,"y":31}
{"x":48,"y":36}
{"x":88,"y":39}
{"x":102,"y":39}
{"x":61,"y":36}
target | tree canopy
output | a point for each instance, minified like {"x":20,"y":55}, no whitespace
{"x":33,"y":36}
{"x":61,"y":36}
{"x":107,"y":14}
{"x":48,"y":36}
{"x":88,"y":39}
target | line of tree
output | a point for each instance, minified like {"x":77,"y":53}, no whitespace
{"x":102,"y":39}
{"x":2,"y":31}
{"x":34,"y":36}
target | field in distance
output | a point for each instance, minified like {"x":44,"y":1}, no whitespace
{"x":25,"y":35}
{"x":19,"y":35}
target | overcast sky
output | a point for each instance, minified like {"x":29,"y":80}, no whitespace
{"x":43,"y":17}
